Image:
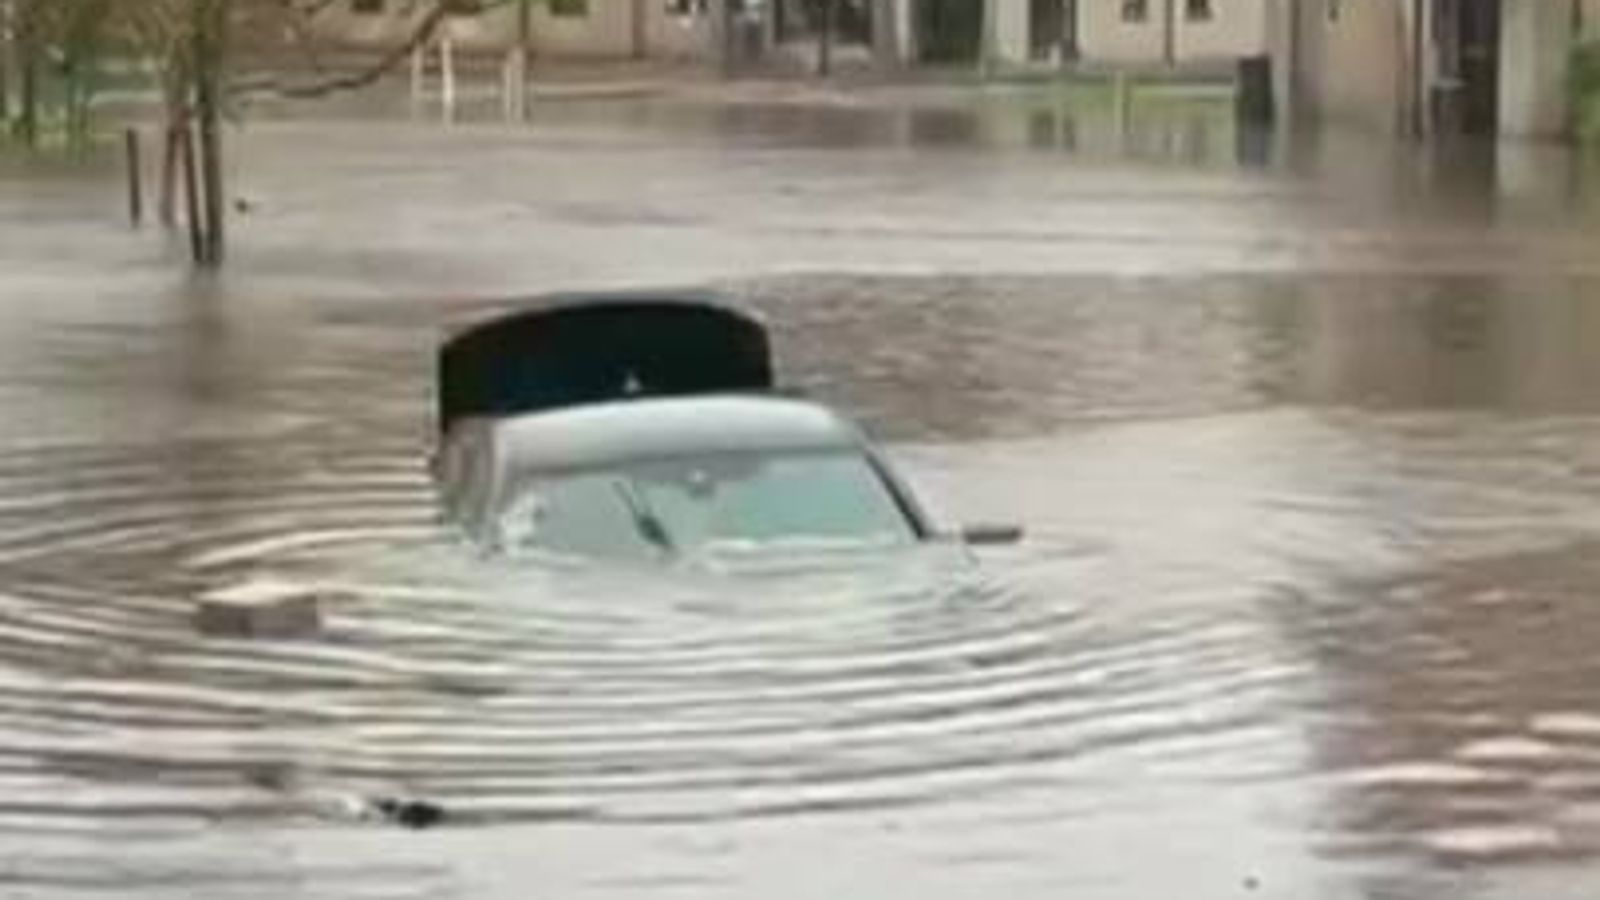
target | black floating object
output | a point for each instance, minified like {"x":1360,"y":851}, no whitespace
{"x":575,"y":349}
{"x":409,"y":813}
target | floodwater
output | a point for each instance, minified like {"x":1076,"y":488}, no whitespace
{"x":1306,"y":439}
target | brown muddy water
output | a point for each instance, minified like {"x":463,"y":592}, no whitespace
{"x":1308,"y":452}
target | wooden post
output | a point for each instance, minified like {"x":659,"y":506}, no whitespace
{"x":507,"y":101}
{"x":1122,"y":109}
{"x":135,"y":179}
{"x":514,"y":85}
{"x":447,"y":76}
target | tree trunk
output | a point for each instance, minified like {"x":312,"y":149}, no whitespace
{"x":5,"y":62}
{"x":27,"y":74}
{"x":825,"y":38}
{"x":175,"y":87}
{"x":208,"y":67}
{"x":171,"y":150}
{"x":191,"y":194}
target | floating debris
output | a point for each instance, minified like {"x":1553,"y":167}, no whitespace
{"x":261,"y":608}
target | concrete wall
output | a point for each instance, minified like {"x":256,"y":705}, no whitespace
{"x":1283,"y":46}
{"x":1236,"y":28}
{"x":1353,"y":61}
{"x":1360,"y":66}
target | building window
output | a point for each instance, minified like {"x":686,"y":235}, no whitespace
{"x":371,"y":7}
{"x":1197,"y":10}
{"x":1135,"y":10}
{"x":686,"y":7}
{"x":572,"y":8}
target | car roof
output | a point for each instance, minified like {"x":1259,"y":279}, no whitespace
{"x":654,"y":428}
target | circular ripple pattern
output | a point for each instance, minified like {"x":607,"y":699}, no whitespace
{"x":517,"y":694}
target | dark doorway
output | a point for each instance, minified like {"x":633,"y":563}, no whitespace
{"x":949,"y":31}
{"x":1480,"y":66}
{"x":1048,"y":30}
{"x":1468,"y":37}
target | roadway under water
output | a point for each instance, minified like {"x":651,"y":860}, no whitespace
{"x":1308,"y":451}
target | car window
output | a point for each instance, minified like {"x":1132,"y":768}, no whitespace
{"x":835,"y":496}
{"x":687,"y":505}
{"x":587,"y":515}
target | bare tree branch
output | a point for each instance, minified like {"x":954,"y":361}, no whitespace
{"x":426,"y":27}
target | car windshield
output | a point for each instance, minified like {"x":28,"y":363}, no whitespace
{"x":682,"y":507}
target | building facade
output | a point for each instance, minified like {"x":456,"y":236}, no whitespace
{"x":1014,"y":33}
{"x":1168,"y":32}
{"x":1025,"y":33}
{"x":1403,"y":66}
{"x":1480,"y":67}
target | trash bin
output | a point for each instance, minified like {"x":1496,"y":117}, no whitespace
{"x":1253,"y":91}
{"x":750,"y":29}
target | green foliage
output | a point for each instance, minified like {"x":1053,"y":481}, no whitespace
{"x":60,"y":48}
{"x":1583,"y":88}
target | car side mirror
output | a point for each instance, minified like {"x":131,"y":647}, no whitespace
{"x":991,"y":535}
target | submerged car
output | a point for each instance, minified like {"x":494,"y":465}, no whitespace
{"x":649,"y":430}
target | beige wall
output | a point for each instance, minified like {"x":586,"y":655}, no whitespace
{"x":607,"y":31}
{"x":1104,"y":37}
{"x":1354,"y":67}
{"x":1236,"y":28}
{"x":669,"y":36}
{"x":1360,"y":67}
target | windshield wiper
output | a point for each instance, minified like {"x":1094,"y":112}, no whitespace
{"x":646,"y":522}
